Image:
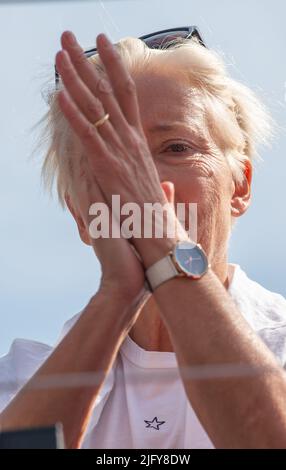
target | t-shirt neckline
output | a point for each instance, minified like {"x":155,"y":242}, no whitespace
{"x":158,"y":359}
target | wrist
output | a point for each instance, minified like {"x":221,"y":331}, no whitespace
{"x":186,"y":259}
{"x":152,"y":250}
{"x":127,"y":300}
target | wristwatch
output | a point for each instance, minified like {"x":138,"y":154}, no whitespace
{"x":187,"y":259}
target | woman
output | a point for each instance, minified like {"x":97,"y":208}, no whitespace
{"x":198,"y":362}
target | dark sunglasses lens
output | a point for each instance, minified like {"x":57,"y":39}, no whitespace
{"x":90,"y":52}
{"x":162,"y":40}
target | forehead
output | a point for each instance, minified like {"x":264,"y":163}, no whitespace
{"x":166,"y":97}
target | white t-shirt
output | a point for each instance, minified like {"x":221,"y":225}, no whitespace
{"x":142,"y":403}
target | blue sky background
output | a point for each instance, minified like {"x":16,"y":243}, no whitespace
{"x":46,"y":273}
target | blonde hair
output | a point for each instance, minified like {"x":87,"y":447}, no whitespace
{"x":235,"y":119}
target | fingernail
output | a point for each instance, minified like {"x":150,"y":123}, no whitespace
{"x":70,"y":37}
{"x":104,"y":40}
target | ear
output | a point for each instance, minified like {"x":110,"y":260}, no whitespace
{"x":241,"y":197}
{"x":82,"y":229}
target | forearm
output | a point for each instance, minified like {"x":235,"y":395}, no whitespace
{"x":90,"y":347}
{"x":207,"y":330}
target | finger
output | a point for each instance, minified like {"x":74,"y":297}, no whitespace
{"x":86,"y":132}
{"x":90,"y":106}
{"x":169,"y":190}
{"x":99,"y":85}
{"x":94,"y":194}
{"x":120,"y":79}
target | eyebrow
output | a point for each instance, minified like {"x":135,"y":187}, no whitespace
{"x":166,"y":127}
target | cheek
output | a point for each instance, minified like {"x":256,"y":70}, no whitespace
{"x":204,"y":180}
{"x":189,"y":179}
{"x":210,"y":194}
{"x":193,"y":187}
{"x":199,"y":200}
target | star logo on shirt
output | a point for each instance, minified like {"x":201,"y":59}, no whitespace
{"x":154,"y":423}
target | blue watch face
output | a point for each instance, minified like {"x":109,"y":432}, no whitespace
{"x":191,"y":259}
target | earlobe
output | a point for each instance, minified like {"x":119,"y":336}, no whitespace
{"x":82,"y":230}
{"x":242,"y":192}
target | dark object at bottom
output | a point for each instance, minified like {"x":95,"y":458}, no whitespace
{"x":36,"y":438}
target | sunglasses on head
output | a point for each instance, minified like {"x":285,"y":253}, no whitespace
{"x":158,"y":40}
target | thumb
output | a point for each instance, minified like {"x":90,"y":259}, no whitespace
{"x":169,"y":190}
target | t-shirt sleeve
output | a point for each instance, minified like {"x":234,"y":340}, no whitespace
{"x":18,"y":366}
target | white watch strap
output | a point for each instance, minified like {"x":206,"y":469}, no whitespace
{"x":161,"y":271}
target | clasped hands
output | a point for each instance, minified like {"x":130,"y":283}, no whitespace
{"x":117,"y":159}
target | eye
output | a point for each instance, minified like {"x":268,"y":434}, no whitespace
{"x":178,"y":147}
